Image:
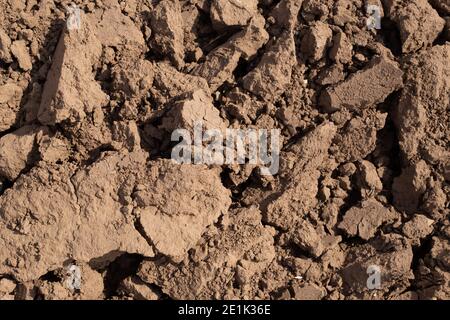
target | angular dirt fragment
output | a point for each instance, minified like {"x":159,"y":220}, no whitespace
{"x":126,"y":134}
{"x":244,"y":249}
{"x":133,"y":78}
{"x":358,"y":137}
{"x":174,"y":224}
{"x":114,"y":29}
{"x":331,"y":75}
{"x":312,"y":8}
{"x":250,"y":39}
{"x":316,"y":41}
{"x":435,"y":200}
{"x":36,"y":214}
{"x":193,"y":25}
{"x":424,"y":101}
{"x":50,"y":212}
{"x":232,"y":13}
{"x":53,"y":149}
{"x":242,"y":106}
{"x":20,"y":51}
{"x":167,"y":30}
{"x":5,"y":47}
{"x":364,"y":220}
{"x":368,"y":179}
{"x":418,"y":22}
{"x":391,"y":255}
{"x":436,"y":155}
{"x":300,"y":168}
{"x":273,"y":73}
{"x":330,"y":212}
{"x":342,"y":49}
{"x":307,"y":238}
{"x":221,"y":62}
{"x":344,"y":11}
{"x":103,"y":194}
{"x":285,"y":13}
{"x":347,"y":169}
{"x":18,"y":150}
{"x":418,"y":227}
{"x":365,"y":88}
{"x":192,"y":108}
{"x":219,"y":66}
{"x":172,"y":83}
{"x":10,"y":97}
{"x":409,"y":187}
{"x":71,"y":91}
{"x":441,"y":252}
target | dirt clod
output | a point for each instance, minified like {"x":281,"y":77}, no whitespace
{"x":364,"y":220}
{"x":365,"y":88}
{"x":20,"y":51}
{"x":418,"y":22}
{"x":167,"y":31}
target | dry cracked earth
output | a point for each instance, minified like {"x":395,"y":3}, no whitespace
{"x":92,"y":206}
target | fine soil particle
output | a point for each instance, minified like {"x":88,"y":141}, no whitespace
{"x":92,"y":206}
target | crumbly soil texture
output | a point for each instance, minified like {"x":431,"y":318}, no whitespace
{"x":93,"y":207}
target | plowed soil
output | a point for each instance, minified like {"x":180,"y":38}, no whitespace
{"x":93,"y":207}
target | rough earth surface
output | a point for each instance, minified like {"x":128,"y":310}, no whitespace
{"x":93,"y":207}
